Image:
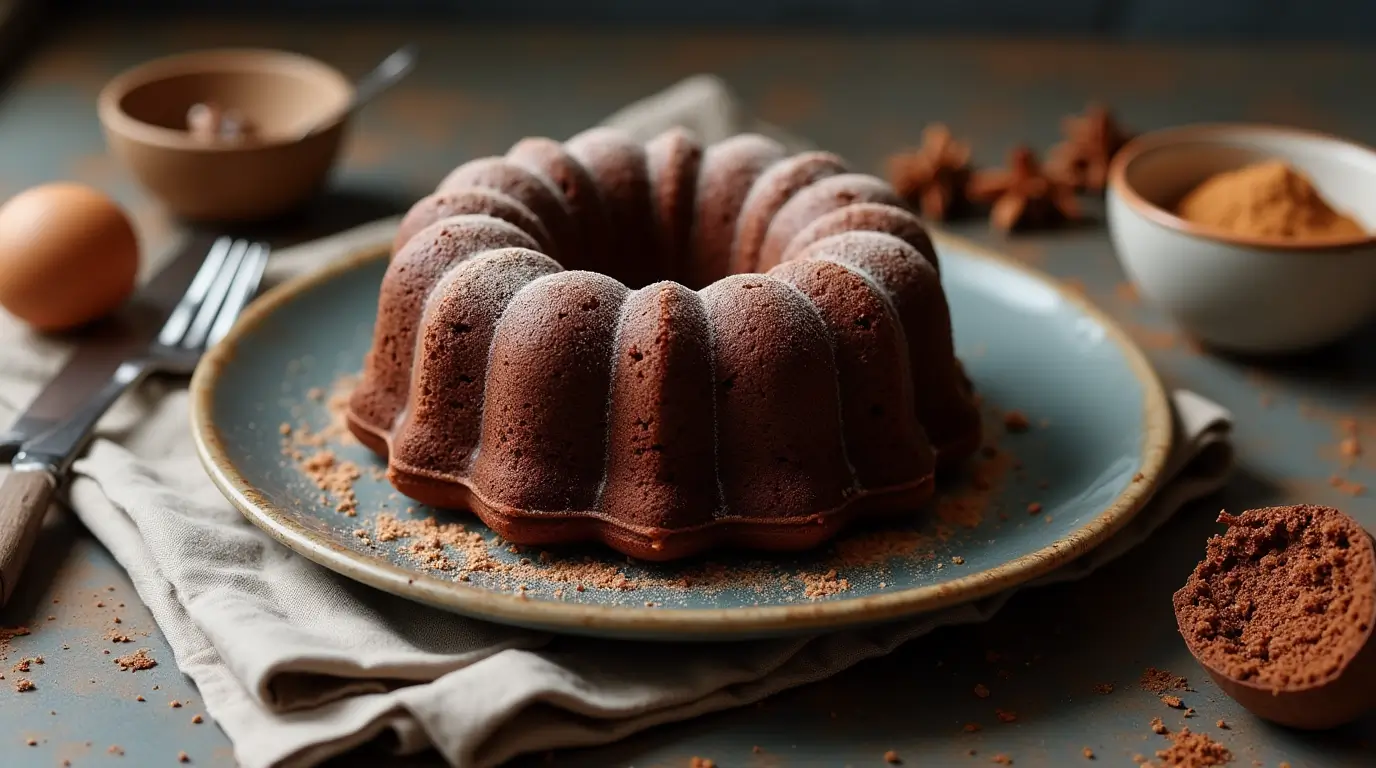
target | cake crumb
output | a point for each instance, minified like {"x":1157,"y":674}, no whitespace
{"x":1006,"y":715}
{"x":1139,"y":758}
{"x":174,"y":704}
{"x":137,"y":661}
{"x":24,"y":685}
{"x":982,"y":690}
{"x":182,"y":757}
{"x":32,"y":742}
{"x":1103,"y":689}
{"x":116,"y":750}
{"x":757,"y":750}
{"x":1173,"y":702}
{"x":115,"y":636}
{"x":1158,"y":727}
{"x":972,"y":727}
{"x":1016,"y":421}
{"x":701,"y":762}
{"x":1035,"y":508}
{"x":1001,"y":759}
{"x":197,"y":719}
{"x":1222,"y":724}
{"x":891,"y":757}
{"x":1195,"y":750}
{"x":140,"y":698}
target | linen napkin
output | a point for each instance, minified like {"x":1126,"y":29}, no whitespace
{"x":297,"y":664}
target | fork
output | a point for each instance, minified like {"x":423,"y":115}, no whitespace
{"x":222,"y":287}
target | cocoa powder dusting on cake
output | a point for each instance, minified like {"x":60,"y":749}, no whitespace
{"x":1285,"y":597}
{"x":1160,"y":681}
{"x":1193,"y":750}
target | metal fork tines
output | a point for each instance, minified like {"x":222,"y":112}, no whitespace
{"x":223,"y":286}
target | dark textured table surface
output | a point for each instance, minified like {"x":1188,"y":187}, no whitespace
{"x":479,"y":89}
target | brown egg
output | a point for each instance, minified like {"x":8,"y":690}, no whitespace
{"x":68,"y":256}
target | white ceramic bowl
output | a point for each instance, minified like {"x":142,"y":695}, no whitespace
{"x":1252,"y":295}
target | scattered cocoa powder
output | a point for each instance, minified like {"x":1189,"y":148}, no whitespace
{"x":1346,"y":486}
{"x":817,"y":586}
{"x":1160,"y":681}
{"x":1193,"y":750}
{"x":1285,"y":597}
{"x":335,"y":477}
{"x":137,"y":661}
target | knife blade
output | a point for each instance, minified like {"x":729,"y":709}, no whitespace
{"x":101,"y":349}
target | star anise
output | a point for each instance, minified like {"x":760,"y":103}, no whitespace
{"x":1091,"y":140}
{"x":933,"y":177}
{"x":1023,"y":195}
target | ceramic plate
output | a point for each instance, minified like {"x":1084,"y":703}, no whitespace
{"x":1101,"y":431}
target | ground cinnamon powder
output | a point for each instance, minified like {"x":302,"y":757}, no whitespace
{"x":1284,"y":598}
{"x":1269,"y":199}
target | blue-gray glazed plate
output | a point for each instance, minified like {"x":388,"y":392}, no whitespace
{"x":1101,"y":432}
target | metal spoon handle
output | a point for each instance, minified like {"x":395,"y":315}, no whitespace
{"x":386,"y":74}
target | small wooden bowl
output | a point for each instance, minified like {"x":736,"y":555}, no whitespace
{"x":143,"y":112}
{"x":1340,"y":699}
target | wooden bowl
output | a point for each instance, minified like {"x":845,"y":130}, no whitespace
{"x":143,"y":112}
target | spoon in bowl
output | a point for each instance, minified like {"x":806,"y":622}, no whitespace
{"x":386,"y":74}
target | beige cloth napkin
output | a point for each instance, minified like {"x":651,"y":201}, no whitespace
{"x":297,"y":664}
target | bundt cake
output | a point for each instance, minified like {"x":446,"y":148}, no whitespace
{"x":664,"y":347}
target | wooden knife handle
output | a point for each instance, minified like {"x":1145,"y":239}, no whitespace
{"x":24,"y":497}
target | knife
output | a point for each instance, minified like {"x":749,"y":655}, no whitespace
{"x":101,"y":349}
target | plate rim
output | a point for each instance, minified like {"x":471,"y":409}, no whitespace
{"x":688,"y":623}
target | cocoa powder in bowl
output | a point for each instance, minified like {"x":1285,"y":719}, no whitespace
{"x":1280,"y":612}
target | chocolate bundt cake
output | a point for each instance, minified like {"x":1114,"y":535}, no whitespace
{"x":791,"y":370}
